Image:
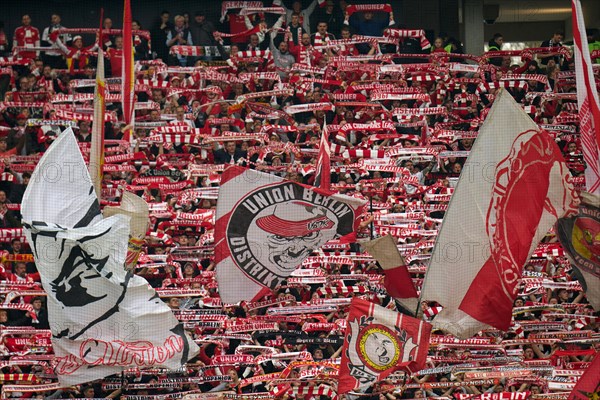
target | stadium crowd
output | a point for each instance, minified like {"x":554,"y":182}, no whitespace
{"x":401,"y":117}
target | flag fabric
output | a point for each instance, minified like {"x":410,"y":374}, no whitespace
{"x":588,"y":386}
{"x":323,"y":177}
{"x":587,"y":98}
{"x":128,"y":79}
{"x":379,"y":341}
{"x":137,"y":210}
{"x":513,"y":188}
{"x":397,"y":281}
{"x":103,"y":318}
{"x":266,"y":226}
{"x":97,"y":146}
{"x":580,"y":237}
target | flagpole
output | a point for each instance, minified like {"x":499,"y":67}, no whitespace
{"x":127,"y":77}
{"x":97,"y":149}
{"x":372,"y":224}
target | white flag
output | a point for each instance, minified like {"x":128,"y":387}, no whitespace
{"x":513,"y":188}
{"x":103,"y":318}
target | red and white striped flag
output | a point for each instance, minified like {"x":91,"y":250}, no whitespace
{"x":378,"y":342}
{"x":587,"y":98}
{"x":266,"y":226}
{"x":323,"y":177}
{"x":397,"y":280}
{"x":128,"y":78}
{"x":515,"y":186}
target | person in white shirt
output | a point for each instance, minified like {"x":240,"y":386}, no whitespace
{"x":54,"y":58}
{"x":297,"y":8}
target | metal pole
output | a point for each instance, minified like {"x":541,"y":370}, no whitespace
{"x":371,"y":211}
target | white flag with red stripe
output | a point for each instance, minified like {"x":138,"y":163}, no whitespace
{"x":397,"y":281}
{"x":514,"y":187}
{"x":378,"y":342}
{"x":266,"y":226}
{"x":587,"y":98}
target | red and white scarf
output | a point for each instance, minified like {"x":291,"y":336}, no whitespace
{"x":321,"y":41}
{"x":230,"y":5}
{"x":368,"y":8}
{"x":409,"y":33}
{"x":262,"y":10}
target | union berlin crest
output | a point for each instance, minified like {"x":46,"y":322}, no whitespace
{"x":268,"y":226}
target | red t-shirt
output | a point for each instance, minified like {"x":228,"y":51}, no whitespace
{"x":237,"y":24}
{"x":27,"y":36}
{"x":116,"y":61}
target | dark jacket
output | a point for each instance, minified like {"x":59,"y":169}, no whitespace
{"x":493,"y":46}
{"x":27,"y":140}
{"x":550,"y":43}
{"x":222,"y":157}
{"x":202,"y":34}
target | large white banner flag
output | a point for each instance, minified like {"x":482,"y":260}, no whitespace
{"x":266,"y":226}
{"x":514,"y":187}
{"x":103,"y":318}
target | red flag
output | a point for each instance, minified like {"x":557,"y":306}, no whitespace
{"x":128,"y":72}
{"x":397,"y":278}
{"x":589,"y":105}
{"x":588,"y":387}
{"x":266,"y":226}
{"x":323,"y":177}
{"x":378,"y":342}
{"x":515,"y":187}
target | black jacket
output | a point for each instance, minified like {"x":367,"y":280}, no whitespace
{"x":222,"y":157}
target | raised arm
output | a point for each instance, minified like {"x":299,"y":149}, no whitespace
{"x":311,"y":8}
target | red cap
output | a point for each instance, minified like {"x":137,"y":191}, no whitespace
{"x":290,"y":221}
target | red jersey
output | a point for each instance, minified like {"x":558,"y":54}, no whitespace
{"x":237,"y":24}
{"x":116,"y":61}
{"x":27,"y":36}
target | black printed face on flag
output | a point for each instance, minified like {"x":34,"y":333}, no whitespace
{"x":74,"y":285}
{"x":74,"y":267}
{"x":274,"y":228}
{"x":266,"y":226}
{"x":103,"y":318}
